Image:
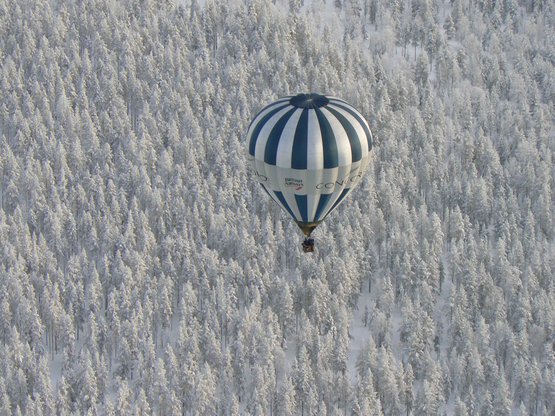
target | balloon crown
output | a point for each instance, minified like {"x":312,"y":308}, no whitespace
{"x":311,"y":100}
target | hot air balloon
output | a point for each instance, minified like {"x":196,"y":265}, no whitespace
{"x":308,"y":152}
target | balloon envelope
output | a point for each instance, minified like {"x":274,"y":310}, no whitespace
{"x":308,"y":152}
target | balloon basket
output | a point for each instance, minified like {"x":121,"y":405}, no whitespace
{"x":308,"y":245}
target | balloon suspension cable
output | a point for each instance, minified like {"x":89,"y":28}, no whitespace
{"x":307,"y":228}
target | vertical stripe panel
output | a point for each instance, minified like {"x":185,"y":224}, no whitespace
{"x":331,"y":158}
{"x":300,"y":143}
{"x":303,"y":206}
{"x":312,"y":206}
{"x":361,"y":131}
{"x":285,"y":144}
{"x":257,"y":126}
{"x":315,"y":153}
{"x":341,"y":140}
{"x":338,"y":200}
{"x":266,"y":127}
{"x":352,"y":134}
{"x":281,"y":200}
{"x":270,"y":153}
{"x":289,"y":198}
{"x":324,"y":198}
{"x":342,"y":104}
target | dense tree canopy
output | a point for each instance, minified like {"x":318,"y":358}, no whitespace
{"x":142,"y":271}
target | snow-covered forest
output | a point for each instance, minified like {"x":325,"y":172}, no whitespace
{"x":143,"y":272}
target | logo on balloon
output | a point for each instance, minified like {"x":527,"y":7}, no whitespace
{"x":259,"y":177}
{"x":343,"y":182}
{"x":294,"y":183}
